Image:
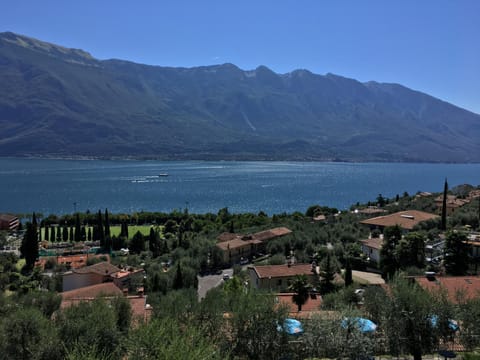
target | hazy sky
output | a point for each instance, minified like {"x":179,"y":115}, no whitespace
{"x":428,"y":45}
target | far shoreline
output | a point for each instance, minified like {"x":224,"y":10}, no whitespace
{"x":220,"y":159}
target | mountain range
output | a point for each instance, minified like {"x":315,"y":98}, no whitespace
{"x":61,"y":102}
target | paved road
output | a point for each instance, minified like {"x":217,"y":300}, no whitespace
{"x":208,"y":282}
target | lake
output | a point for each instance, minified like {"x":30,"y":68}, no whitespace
{"x":63,"y":186}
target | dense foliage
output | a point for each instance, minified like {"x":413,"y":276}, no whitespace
{"x":234,"y":321}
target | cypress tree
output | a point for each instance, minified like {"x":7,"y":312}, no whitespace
{"x":327,"y":272}
{"x":178,"y":279}
{"x":59,"y":234}
{"x":83,"y":233}
{"x":108,"y":240}
{"x":348,"y":272}
{"x":151,"y":240}
{"x":78,"y":233}
{"x":65,"y":233}
{"x":107,"y":225}
{"x":444,"y":206}
{"x":479,"y":211}
{"x":89,"y":234}
{"x":52,"y":235}
{"x":71,"y":236}
{"x":100,"y":231}
{"x":29,"y":246}
{"x":45,"y":233}
{"x":122,"y":234}
{"x":164,"y":247}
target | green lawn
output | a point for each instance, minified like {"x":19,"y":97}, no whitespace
{"x":144,"y":229}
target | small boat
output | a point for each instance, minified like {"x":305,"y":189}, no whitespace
{"x":162,"y":174}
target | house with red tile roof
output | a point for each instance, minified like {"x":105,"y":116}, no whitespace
{"x":407,"y":220}
{"x":238,"y":247}
{"x":371,"y":248}
{"x":92,"y":292}
{"x":456,"y":287}
{"x":71,"y":261}
{"x":141,"y":310}
{"x":278,"y":277}
{"x":312,"y":306}
{"x":102,"y":272}
{"x":453,"y":203}
{"x":89,"y":275}
{"x":128,"y":279}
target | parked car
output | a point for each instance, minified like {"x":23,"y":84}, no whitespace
{"x":226,"y":277}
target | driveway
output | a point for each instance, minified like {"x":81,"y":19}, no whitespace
{"x":208,"y":282}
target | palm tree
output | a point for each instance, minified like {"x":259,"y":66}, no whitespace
{"x":301,"y":289}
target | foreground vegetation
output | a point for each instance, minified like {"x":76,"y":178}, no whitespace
{"x":234,"y":321}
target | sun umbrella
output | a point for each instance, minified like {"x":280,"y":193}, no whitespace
{"x":364,"y":325}
{"x":452,"y":324}
{"x":291,"y":327}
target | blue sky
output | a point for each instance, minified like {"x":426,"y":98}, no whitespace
{"x":429,"y":45}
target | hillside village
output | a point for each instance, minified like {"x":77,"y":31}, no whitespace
{"x":408,"y":265}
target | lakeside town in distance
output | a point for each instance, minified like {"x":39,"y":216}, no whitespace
{"x":394,"y":277}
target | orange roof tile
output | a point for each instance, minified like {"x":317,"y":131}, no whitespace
{"x":233,"y":244}
{"x":313,"y":303}
{"x":267,"y":271}
{"x":469,"y":286}
{"x":102,"y":268}
{"x":233,"y":241}
{"x":374,"y":243}
{"x":226,"y":236}
{"x":125,"y":273}
{"x":140,"y":310}
{"x":405,"y":219}
{"x":92,"y":292}
{"x":271,"y":234}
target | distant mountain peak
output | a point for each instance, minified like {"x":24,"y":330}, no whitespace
{"x":66,"y":54}
{"x":56,"y":101}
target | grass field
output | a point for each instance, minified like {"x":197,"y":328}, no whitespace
{"x":144,"y":229}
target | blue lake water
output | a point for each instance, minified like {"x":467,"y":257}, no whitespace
{"x":62,"y":186}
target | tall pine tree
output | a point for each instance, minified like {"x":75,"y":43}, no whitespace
{"x":29,"y":247}
{"x":65,"y":233}
{"x":52,"y":234}
{"x":444,"y":206}
{"x":78,"y":233}
{"x":46,"y":233}
{"x":178,"y":279}
{"x":100,"y":231}
{"x":108,"y":239}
